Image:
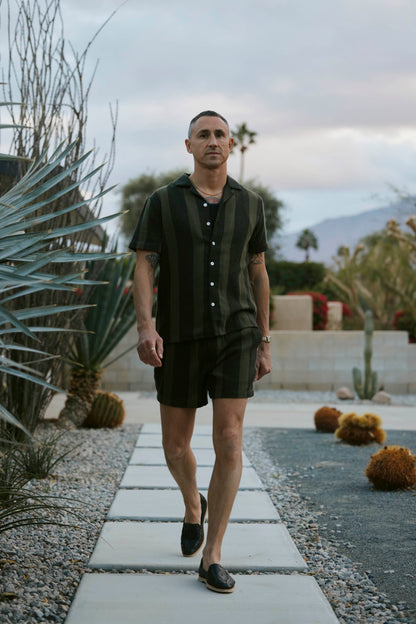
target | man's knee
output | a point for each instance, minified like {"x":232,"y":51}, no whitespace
{"x":227,"y":445}
{"x":175,"y":448}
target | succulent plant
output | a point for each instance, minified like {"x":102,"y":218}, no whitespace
{"x":391,"y":468}
{"x":360,"y":430}
{"x":366,"y":388}
{"x":326,"y":419}
{"x":107,"y":410}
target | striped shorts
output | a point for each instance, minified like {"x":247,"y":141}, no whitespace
{"x":222,"y":366}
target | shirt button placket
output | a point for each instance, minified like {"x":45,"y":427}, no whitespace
{"x":212,"y":278}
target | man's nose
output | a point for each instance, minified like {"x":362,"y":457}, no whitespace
{"x":213,"y":139}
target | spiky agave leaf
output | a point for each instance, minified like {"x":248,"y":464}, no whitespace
{"x":110,"y":316}
{"x":23,"y":253}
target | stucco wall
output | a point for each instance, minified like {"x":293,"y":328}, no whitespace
{"x":304,"y":360}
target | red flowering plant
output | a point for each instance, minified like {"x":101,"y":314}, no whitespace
{"x":404,"y":320}
{"x":320,"y":308}
{"x":346,"y":311}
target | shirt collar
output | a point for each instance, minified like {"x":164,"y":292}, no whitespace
{"x":184,"y":180}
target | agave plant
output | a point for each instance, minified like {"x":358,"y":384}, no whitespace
{"x":106,"y":322}
{"x":26,"y":254}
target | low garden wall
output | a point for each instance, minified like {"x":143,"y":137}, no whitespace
{"x":302,"y":360}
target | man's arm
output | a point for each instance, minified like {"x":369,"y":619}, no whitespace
{"x":150,"y":344}
{"x":261,"y":291}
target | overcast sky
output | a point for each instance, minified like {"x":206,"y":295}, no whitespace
{"x":329,"y":85}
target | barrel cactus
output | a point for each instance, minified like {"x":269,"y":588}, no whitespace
{"x":107,"y":410}
{"x":326,"y":419}
{"x":367,"y":387}
{"x":391,"y":468}
{"x":360,"y":430}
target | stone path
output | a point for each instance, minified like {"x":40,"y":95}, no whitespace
{"x":142,"y":532}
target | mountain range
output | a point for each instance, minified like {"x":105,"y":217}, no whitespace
{"x":346,"y":230}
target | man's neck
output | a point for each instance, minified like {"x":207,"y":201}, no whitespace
{"x":209,"y":180}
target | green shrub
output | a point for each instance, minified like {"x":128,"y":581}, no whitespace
{"x":290,"y":276}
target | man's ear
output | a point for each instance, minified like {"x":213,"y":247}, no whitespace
{"x":188,"y":146}
{"x":231,"y":143}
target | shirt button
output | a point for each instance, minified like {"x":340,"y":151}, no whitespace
{"x":212,"y":283}
{"x":212,"y":304}
{"x":212,"y":263}
{"x":205,"y":205}
{"x":208,"y":223}
{"x":213,"y":243}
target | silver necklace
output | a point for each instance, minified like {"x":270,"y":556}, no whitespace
{"x":215,"y":196}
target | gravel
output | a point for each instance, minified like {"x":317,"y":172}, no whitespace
{"x":40,"y":567}
{"x":295,"y":396}
{"x":353,"y":596}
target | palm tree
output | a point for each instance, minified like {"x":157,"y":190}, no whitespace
{"x":306,"y":240}
{"x":243,"y":137}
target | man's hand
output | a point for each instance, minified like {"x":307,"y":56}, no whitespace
{"x":150,"y":347}
{"x":263,"y":361}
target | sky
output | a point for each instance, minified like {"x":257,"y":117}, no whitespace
{"x":328,"y":85}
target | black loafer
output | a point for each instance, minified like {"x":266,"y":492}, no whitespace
{"x":192,"y":536}
{"x":216,"y":579}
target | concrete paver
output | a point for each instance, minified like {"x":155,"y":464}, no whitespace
{"x":170,"y":599}
{"x":156,"y":546}
{"x":156,"y":457}
{"x":160,"y":477}
{"x":156,"y":428}
{"x":154,"y":440}
{"x":249,"y":505}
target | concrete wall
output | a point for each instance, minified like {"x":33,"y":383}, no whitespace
{"x":304,"y":360}
{"x":292,"y":312}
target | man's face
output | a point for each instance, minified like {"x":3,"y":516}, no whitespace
{"x":210,"y":143}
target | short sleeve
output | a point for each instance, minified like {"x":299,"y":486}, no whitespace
{"x":148,"y":233}
{"x":258,"y":241}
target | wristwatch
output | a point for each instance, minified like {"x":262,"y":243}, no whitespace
{"x":266,"y":339}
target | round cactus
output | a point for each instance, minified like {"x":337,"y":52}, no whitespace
{"x":107,"y":410}
{"x":360,"y":430}
{"x":326,"y":419}
{"x":391,"y":468}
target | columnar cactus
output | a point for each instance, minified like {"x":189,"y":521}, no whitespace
{"x":367,"y":389}
{"x":107,"y":410}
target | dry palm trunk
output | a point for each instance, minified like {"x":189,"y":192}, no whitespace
{"x":83,"y":386}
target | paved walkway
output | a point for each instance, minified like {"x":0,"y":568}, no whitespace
{"x":143,"y":526}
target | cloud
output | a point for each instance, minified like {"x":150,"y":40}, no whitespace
{"x":329,"y":86}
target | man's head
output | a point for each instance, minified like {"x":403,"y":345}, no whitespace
{"x":209,"y":140}
{"x":208,"y":113}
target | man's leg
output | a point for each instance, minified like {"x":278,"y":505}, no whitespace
{"x":177,"y":429}
{"x":227,"y":436}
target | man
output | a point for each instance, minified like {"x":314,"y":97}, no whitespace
{"x":207,"y":235}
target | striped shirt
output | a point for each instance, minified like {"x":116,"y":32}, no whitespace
{"x":204,"y":288}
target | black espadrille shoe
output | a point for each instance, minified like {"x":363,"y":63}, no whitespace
{"x":216,"y":578}
{"x":192,"y":536}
